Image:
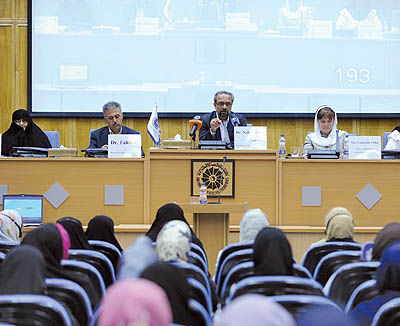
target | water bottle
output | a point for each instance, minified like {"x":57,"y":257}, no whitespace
{"x":282,"y":146}
{"x":346,"y":148}
{"x":203,"y":194}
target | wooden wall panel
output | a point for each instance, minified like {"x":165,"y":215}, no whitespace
{"x":6,"y":8}
{"x":21,"y":8}
{"x":22,"y":66}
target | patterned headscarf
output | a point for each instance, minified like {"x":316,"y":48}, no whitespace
{"x":173,"y":241}
{"x":11,"y":224}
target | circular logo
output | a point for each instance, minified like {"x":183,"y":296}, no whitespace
{"x":214,"y":176}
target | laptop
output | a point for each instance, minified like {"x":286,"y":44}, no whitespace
{"x":29,"y":206}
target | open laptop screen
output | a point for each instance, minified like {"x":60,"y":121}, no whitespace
{"x":29,"y":206}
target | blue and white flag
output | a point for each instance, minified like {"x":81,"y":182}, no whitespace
{"x":153,"y":128}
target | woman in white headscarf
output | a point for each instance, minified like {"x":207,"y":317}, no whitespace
{"x":324,"y":135}
{"x":253,"y":221}
{"x":10,"y":225}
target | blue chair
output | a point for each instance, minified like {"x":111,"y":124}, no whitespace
{"x":366,"y":250}
{"x":388,"y":314}
{"x":317,"y":251}
{"x":96,"y":315}
{"x":54,"y":138}
{"x":346,"y":279}
{"x":275,"y":285}
{"x":385,"y":138}
{"x":236,"y":274}
{"x":300,"y":303}
{"x":331,"y":262}
{"x":27,"y":309}
{"x":199,"y":293}
{"x":108,"y":249}
{"x":301,"y":271}
{"x":72,"y":296}
{"x":228,"y":250}
{"x":196,"y":259}
{"x":229,"y":262}
{"x":200,"y":311}
{"x":6,"y":246}
{"x":197,"y":249}
{"x":364,"y":292}
{"x":96,"y":259}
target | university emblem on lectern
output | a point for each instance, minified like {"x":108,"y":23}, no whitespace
{"x":217,"y":176}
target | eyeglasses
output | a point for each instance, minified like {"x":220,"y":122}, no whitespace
{"x":228,"y":104}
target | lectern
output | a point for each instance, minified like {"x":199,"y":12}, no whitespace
{"x":211,"y":225}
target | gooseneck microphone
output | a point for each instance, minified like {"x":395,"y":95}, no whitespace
{"x":195,"y":123}
{"x":220,"y":182}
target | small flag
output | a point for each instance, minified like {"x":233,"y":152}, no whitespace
{"x":153,"y":128}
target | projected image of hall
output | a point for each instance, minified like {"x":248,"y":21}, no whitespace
{"x":279,"y":56}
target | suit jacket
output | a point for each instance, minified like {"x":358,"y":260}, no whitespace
{"x":99,"y":137}
{"x":205,"y":134}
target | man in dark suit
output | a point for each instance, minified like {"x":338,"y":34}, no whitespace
{"x":219,"y":124}
{"x":113,"y":116}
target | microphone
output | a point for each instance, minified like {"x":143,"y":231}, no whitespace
{"x":235,"y":120}
{"x":195,"y":123}
{"x":337,"y":142}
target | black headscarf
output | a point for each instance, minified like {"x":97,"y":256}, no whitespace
{"x":173,"y":281}
{"x":166,"y":213}
{"x":23,"y":271}
{"x":32,"y":136}
{"x":396,"y":128}
{"x":47,"y":239}
{"x":76,"y":234}
{"x":101,"y":228}
{"x":272,"y":253}
{"x":389,"y":234}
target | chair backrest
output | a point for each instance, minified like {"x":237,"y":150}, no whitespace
{"x":236,"y":274}
{"x":199,"y":293}
{"x":229,"y":262}
{"x":96,"y":259}
{"x":54,"y":138}
{"x":72,"y":296}
{"x":362,"y":293}
{"x":27,"y":309}
{"x":108,"y":249}
{"x":331,"y":262}
{"x":2,"y":257}
{"x":388,"y":314}
{"x":276,"y":285}
{"x":346,"y":279}
{"x":89,"y":270}
{"x":196,"y":259}
{"x":385,"y":138}
{"x":196,"y":272}
{"x":6,"y":246}
{"x":96,"y":315}
{"x":317,"y":251}
{"x":300,"y":303}
{"x":301,"y":271}
{"x":228,"y":250}
{"x":197,"y":249}
{"x":366,"y":250}
{"x":200,"y":312}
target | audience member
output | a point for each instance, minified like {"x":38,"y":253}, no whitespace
{"x":47,"y":239}
{"x":23,"y":271}
{"x":10,"y":225}
{"x":324,"y":135}
{"x":219,"y":124}
{"x":23,"y":132}
{"x":253,"y":221}
{"x":272,"y":253}
{"x":389,"y":234}
{"x":393,"y":142}
{"x":66,"y":242}
{"x":76,"y":234}
{"x":137,"y":258}
{"x":135,"y":302}
{"x":388,"y":283}
{"x":254,"y":310}
{"x":173,"y":281}
{"x":166,"y":213}
{"x":113,"y":116}
{"x":101,"y":228}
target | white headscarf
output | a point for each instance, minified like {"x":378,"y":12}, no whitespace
{"x":316,"y":137}
{"x":173,"y":241}
{"x":253,"y":221}
{"x":9,"y":219}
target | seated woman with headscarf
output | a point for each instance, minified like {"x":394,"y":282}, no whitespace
{"x":76,"y":234}
{"x":166,"y":213}
{"x":324,"y":135}
{"x":272,"y":253}
{"x":23,"y":132}
{"x":393,"y":142}
{"x":388,"y":283}
{"x":253,"y":221}
{"x":10,"y":225}
{"x":385,"y":237}
{"x":101,"y":228}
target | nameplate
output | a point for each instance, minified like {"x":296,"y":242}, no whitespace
{"x":125,"y":146}
{"x":250,"y":138}
{"x":364,"y":147}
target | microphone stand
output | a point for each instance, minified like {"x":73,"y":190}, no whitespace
{"x":220,"y":183}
